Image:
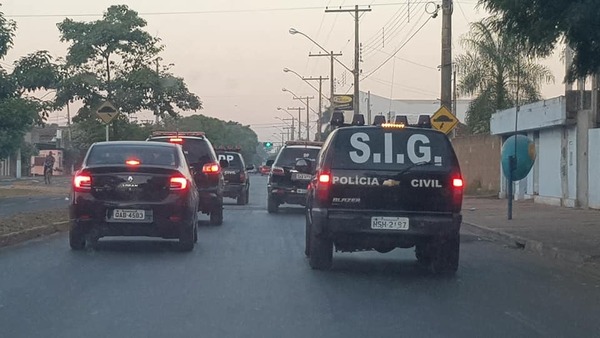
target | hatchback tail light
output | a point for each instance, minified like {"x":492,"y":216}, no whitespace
{"x":277,"y":171}
{"x":82,"y":182}
{"x":211,"y":168}
{"x":178,"y":183}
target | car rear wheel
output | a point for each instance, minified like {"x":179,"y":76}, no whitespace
{"x":445,"y":254}
{"x":187,"y":236}
{"x":320,"y":251}
{"x":242,"y":198}
{"x":248,"y":195}
{"x":216,"y":216}
{"x":272,"y":206}
{"x":77,"y":238}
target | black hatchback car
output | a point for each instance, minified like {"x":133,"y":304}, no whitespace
{"x":384,"y":187}
{"x":132,"y":188}
{"x":205,"y":167}
{"x":291,"y":171}
{"x":237,"y":181}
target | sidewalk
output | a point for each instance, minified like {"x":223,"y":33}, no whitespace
{"x":568,"y":234}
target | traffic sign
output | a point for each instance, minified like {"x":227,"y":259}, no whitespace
{"x":107,"y":112}
{"x":443,"y":120}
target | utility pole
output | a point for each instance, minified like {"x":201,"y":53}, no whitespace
{"x":332,"y":55}
{"x":356,"y":71}
{"x":157,"y":82}
{"x":454,"y":98}
{"x":320,"y":79}
{"x":446,"y":66}
{"x":307,"y":98}
{"x":369,"y":107}
{"x":299,"y":109}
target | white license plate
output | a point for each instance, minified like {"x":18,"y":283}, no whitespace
{"x":301,"y":191}
{"x":129,"y":214}
{"x":301,"y":177}
{"x":389,"y":223}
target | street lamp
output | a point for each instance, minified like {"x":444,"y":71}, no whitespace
{"x":293,"y":31}
{"x":308,"y":107}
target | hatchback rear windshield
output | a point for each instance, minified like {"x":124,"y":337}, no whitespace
{"x":391,"y":149}
{"x":235,"y":160}
{"x":197,"y":151}
{"x":289,"y":156}
{"x":119,"y":154}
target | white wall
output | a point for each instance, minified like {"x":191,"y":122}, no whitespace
{"x":549,"y":166}
{"x":533,"y":116}
{"x":411,"y":108}
{"x":594,"y":168}
{"x":572,"y":162}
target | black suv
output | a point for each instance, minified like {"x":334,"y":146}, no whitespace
{"x":205,"y":167}
{"x":237,"y":181}
{"x":384,"y":187}
{"x":291,"y":171}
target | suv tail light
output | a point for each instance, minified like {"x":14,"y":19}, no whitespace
{"x":211,"y":168}
{"x":457,"y":192}
{"x":82,"y":182}
{"x":323,"y":187}
{"x":277,"y":171}
{"x":242,"y":177}
{"x":178,"y":183}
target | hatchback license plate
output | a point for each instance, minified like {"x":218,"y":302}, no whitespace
{"x":301,"y":177}
{"x":389,"y":223}
{"x":129,"y":214}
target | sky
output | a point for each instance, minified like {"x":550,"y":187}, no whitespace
{"x":231,"y":53}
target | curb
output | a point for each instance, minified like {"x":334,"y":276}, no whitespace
{"x":29,"y":234}
{"x":531,"y":245}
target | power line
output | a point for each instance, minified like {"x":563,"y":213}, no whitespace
{"x":398,"y":50}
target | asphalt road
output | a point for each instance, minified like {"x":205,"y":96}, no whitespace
{"x":249,"y":278}
{"x":10,"y":206}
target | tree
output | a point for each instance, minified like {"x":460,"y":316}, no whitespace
{"x":497,"y":74}
{"x":540,"y":25}
{"x":113,"y":59}
{"x":19,"y":113}
{"x":219,"y":132}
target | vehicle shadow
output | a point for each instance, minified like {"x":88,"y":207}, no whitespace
{"x":289,"y":211}
{"x":133,"y":246}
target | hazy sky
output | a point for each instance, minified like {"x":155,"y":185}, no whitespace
{"x":232,"y":52}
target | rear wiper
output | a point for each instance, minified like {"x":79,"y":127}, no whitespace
{"x":414,"y":165}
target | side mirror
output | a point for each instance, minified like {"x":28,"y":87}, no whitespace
{"x":270,"y":163}
{"x":224,"y":163}
{"x":250,"y":167}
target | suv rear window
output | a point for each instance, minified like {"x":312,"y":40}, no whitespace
{"x":390,"y":149}
{"x":196,"y":150}
{"x":119,"y":153}
{"x":235,"y":160}
{"x":289,"y":155}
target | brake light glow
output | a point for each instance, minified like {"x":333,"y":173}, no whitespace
{"x":211,"y":168}
{"x":176,"y":140}
{"x":132,"y":162}
{"x":83,"y":182}
{"x":277,"y":171}
{"x":457,"y":182}
{"x":178,"y":183}
{"x":324,"y":178}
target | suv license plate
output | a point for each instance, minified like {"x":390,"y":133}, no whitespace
{"x":389,"y":223}
{"x":301,"y":177}
{"x":129,"y":214}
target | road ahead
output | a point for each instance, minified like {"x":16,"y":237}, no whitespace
{"x":249,"y":278}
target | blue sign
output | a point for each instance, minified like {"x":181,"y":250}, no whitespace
{"x":522,"y":149}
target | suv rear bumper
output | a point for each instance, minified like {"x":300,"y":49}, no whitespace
{"x":209,"y":199}
{"x":358,"y":222}
{"x":233,"y":189}
{"x":289,"y":195}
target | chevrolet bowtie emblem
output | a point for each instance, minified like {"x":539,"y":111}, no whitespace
{"x":391,"y":183}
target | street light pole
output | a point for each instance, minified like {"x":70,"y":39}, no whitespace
{"x":299,"y":109}
{"x":292,"y":116}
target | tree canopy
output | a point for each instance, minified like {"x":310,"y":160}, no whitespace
{"x":540,"y":25}
{"x":497,"y":73}
{"x":115,"y":59}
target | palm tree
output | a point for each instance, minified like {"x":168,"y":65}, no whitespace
{"x":497,"y":73}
